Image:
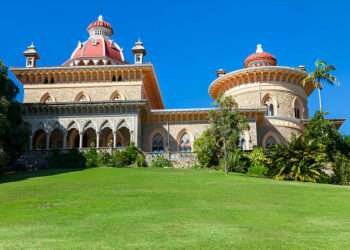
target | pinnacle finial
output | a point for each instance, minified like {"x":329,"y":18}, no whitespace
{"x":100,"y":18}
{"x":259,"y":48}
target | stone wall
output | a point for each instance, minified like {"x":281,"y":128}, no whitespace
{"x":95,"y":91}
{"x":282,"y":94}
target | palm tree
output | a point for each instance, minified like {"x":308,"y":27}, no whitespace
{"x":321,"y":74}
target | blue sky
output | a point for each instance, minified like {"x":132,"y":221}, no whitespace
{"x":188,"y":40}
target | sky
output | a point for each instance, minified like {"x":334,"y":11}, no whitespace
{"x":187,"y":41}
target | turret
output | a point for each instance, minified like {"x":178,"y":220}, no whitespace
{"x":31,"y":55}
{"x":139,"y":52}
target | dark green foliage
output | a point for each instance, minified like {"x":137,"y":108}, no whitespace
{"x":161,"y":162}
{"x":104,"y":158}
{"x":14,"y":133}
{"x":67,"y":159}
{"x":206,"y":150}
{"x":92,"y":158}
{"x":237,"y":161}
{"x":126,"y":157}
{"x":341,"y":170}
{"x":220,"y":141}
{"x":300,"y":160}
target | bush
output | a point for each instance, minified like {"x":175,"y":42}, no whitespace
{"x":237,"y":161}
{"x":71,"y":159}
{"x":104,"y":158}
{"x":341,"y":174}
{"x":206,"y":150}
{"x":140,"y":161}
{"x":92,"y":158}
{"x":161,"y":162}
{"x":258,"y":162}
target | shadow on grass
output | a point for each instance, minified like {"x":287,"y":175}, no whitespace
{"x":13,"y":176}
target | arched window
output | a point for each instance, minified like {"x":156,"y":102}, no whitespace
{"x":270,"y":108}
{"x":270,"y":141}
{"x":185,"y":143}
{"x":47,"y":98}
{"x":115,"y":96}
{"x":81,"y":97}
{"x":297,"y":109}
{"x":157,"y":143}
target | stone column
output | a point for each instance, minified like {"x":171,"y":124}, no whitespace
{"x":30,"y":142}
{"x":65,"y":140}
{"x":97,"y":139}
{"x":115,"y":138}
{"x":80,"y":140}
{"x":47,"y":141}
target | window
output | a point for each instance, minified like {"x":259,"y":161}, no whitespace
{"x":30,"y":62}
{"x":297,"y":109}
{"x":270,"y":108}
{"x":270,"y":141}
{"x":157,"y":143}
{"x":185,"y":143}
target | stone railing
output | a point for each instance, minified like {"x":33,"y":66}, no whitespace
{"x":179,"y":159}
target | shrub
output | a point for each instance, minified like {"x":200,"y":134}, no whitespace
{"x":206,"y":150}
{"x":71,"y":159}
{"x":119,"y":159}
{"x":237,"y":161}
{"x":341,"y":174}
{"x":258,"y":162}
{"x":92,"y":158}
{"x":104,"y":158}
{"x":131,"y":153}
{"x":140,"y":161}
{"x":161,"y":162}
{"x":257,"y":170}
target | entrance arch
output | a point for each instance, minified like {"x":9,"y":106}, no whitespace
{"x":106,"y":137}
{"x":89,"y":138}
{"x":73,"y":138}
{"x":123,"y":137}
{"x":39,"y":139}
{"x":56,"y":139}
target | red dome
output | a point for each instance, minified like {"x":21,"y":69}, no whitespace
{"x":260,"y":58}
{"x":99,"y":49}
{"x":100,"y":23}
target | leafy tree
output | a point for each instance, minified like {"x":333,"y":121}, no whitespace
{"x":226,"y":125}
{"x":14,"y":132}
{"x":320,"y":75}
{"x":206,"y":149}
{"x":323,"y":133}
{"x":220,"y":141}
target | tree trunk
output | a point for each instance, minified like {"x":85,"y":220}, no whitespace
{"x":225,"y":157}
{"x":320,"y":98}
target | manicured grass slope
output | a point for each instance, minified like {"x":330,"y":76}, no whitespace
{"x":107,"y":208}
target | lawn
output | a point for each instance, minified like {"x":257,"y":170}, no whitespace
{"x":109,"y":208}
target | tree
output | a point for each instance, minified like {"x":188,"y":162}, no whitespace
{"x":320,"y":75}
{"x":14,"y":132}
{"x":226,"y":126}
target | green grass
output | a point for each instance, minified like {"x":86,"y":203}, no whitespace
{"x":106,"y":208}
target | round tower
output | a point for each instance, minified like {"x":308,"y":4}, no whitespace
{"x":278,"y":89}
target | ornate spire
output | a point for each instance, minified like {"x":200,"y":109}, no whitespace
{"x":259,"y":48}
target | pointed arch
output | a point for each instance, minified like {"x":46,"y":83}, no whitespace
{"x":82,"y":97}
{"x":47,"y":98}
{"x":270,"y":104}
{"x":184,"y":141}
{"x":116,"y":95}
{"x":297,"y":108}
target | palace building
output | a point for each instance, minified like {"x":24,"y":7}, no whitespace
{"x":98,"y":99}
